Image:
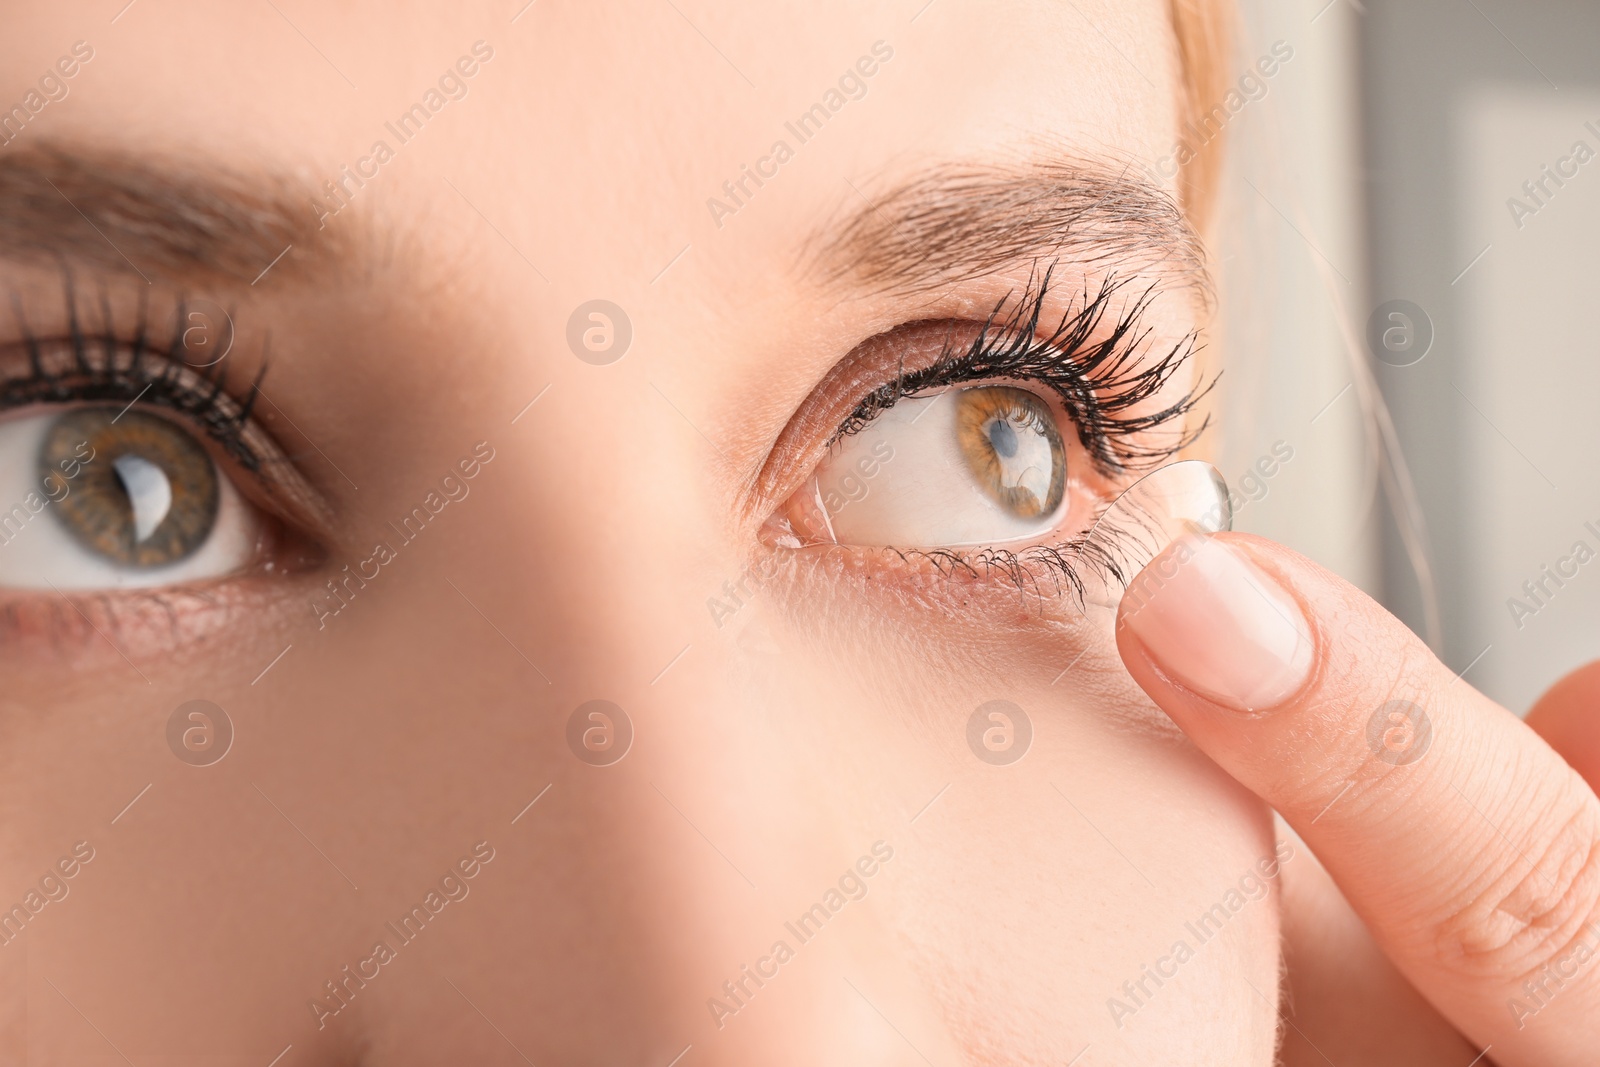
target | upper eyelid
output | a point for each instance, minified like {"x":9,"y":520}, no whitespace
{"x":1094,"y":391}
{"x":879,"y":359}
{"x":99,"y":367}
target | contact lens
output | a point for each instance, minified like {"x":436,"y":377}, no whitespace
{"x":1169,"y":503}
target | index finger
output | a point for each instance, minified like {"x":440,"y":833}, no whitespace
{"x":1463,"y":840}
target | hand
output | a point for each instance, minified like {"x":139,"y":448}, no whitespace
{"x":1467,"y":845}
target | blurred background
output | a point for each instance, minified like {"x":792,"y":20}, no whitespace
{"x":1409,"y":223}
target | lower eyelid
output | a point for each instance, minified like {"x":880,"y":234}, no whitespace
{"x":1046,"y":578}
{"x":976,"y":622}
{"x":868,"y":607}
{"x":101,"y":634}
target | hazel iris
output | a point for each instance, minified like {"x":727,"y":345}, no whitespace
{"x":150,"y":496}
{"x":1009,"y":440}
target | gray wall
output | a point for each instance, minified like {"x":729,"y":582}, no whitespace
{"x":1462,"y":101}
{"x":1290,"y":257}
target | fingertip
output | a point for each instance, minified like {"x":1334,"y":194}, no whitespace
{"x":1212,"y":621}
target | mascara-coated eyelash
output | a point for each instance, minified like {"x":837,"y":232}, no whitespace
{"x":105,"y":368}
{"x":1100,"y":375}
{"x":110,"y":366}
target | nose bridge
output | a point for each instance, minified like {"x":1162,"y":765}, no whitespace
{"x":759,"y":936}
{"x":704,"y":854}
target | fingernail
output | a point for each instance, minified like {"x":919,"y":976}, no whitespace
{"x":1215,"y":623}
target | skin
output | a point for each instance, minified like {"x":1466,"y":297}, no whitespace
{"x":771,"y":752}
{"x":1469,"y":858}
{"x":820,"y":712}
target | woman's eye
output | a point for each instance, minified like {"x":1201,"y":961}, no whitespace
{"x":984,"y":465}
{"x":107,"y":497}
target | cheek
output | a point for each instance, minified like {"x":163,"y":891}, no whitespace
{"x":1115,"y":875}
{"x":1103,"y":844}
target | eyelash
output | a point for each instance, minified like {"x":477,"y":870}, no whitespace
{"x":1096,"y":380}
{"x":1099,"y":379}
{"x":107,"y":367}
{"x":110,"y":364}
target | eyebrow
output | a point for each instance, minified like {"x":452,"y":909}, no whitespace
{"x":965,"y":221}
{"x":128,"y":215}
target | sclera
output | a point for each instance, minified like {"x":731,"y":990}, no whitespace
{"x":861,"y":496}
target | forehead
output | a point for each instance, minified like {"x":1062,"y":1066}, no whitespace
{"x":604,"y":135}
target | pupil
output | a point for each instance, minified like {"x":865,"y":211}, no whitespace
{"x":1003,"y":438}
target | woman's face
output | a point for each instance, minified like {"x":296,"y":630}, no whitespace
{"x":562,"y":311}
